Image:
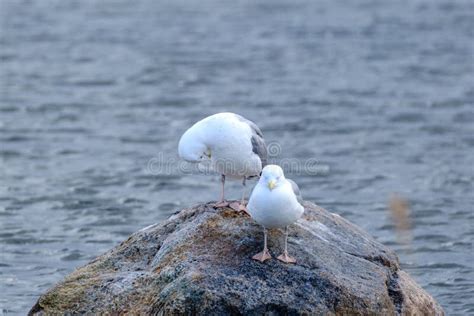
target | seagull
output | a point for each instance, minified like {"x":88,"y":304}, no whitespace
{"x":275,"y":202}
{"x":233,"y":144}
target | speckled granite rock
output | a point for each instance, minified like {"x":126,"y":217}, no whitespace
{"x":198,"y":262}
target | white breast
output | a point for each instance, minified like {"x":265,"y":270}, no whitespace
{"x":276,"y":208}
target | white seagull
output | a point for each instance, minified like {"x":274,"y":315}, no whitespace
{"x":234,"y":145}
{"x":275,"y":202}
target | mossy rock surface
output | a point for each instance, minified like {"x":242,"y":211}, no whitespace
{"x":199,"y":262}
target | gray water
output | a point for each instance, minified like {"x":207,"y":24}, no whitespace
{"x":379,"y":93}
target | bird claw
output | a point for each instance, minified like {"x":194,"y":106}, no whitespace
{"x":286,"y":258}
{"x":243,"y":209}
{"x":262,"y":256}
{"x":221,"y":204}
{"x":234,"y":206}
{"x":239,"y":208}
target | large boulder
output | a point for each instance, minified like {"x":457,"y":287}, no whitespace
{"x":199,"y":262}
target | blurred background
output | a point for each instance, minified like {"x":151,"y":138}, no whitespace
{"x":380,"y":93}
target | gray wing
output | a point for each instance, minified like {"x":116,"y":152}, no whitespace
{"x":258,"y":143}
{"x":296,"y":191}
{"x":259,"y":148}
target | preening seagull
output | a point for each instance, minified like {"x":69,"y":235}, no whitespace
{"x":234,"y":145}
{"x":275,"y":202}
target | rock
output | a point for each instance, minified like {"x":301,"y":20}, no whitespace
{"x":199,"y":262}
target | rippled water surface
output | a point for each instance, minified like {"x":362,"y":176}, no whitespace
{"x":379,"y":93}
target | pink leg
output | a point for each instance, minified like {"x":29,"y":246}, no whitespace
{"x":265,"y":254}
{"x":222,"y":202}
{"x":240,"y":207}
{"x":285,"y":257}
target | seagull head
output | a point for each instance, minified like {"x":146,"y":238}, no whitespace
{"x":272,"y":176}
{"x":193,"y":150}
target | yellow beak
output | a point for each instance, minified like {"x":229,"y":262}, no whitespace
{"x":271,"y":184}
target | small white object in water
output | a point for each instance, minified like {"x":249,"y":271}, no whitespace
{"x":234,"y":145}
{"x":275,"y":202}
